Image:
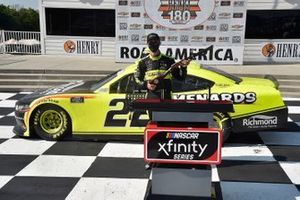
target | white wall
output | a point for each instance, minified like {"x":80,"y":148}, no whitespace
{"x":273,"y":4}
{"x":252,"y":51}
{"x":92,"y":4}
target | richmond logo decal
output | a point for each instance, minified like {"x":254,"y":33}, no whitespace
{"x":179,"y":14}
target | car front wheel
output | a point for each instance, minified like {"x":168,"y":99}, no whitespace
{"x":224,"y":123}
{"x":51,"y":122}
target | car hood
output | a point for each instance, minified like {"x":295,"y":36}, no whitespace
{"x":72,"y":87}
{"x":257,"y":81}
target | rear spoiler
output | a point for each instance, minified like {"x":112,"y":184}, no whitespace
{"x":273,"y":79}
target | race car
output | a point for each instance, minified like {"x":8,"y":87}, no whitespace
{"x":99,"y":109}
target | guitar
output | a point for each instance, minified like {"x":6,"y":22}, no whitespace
{"x":192,"y":56}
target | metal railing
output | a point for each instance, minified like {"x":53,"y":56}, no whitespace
{"x":20,"y":42}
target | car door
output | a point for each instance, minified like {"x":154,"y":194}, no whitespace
{"x":118,"y":117}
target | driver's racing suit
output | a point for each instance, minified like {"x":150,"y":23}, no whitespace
{"x":149,"y":68}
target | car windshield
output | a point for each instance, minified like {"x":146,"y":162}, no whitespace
{"x":236,"y":79}
{"x":104,"y":80}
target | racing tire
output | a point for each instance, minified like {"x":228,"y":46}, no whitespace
{"x":50,"y":122}
{"x":224,"y":123}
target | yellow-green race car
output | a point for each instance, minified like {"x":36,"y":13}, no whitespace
{"x":99,"y":109}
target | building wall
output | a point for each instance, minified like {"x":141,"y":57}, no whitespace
{"x":252,"y":52}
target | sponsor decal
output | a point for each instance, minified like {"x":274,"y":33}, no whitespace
{"x":236,"y":39}
{"x":199,"y":27}
{"x":160,"y":28}
{"x":148,"y":26}
{"x":211,"y":28}
{"x":224,"y":15}
{"x":144,"y":38}
{"x":123,"y":26}
{"x":77,"y":99}
{"x":225,"y":3}
{"x":215,"y":54}
{"x":224,"y":39}
{"x":197,"y":39}
{"x":210,"y":39}
{"x":184,"y":38}
{"x":135,"y":26}
{"x":135,"y":38}
{"x":268,"y":50}
{"x":261,"y":121}
{"x":179,"y":14}
{"x":123,"y":14}
{"x":69,"y":46}
{"x":237,"y":27}
{"x":135,"y":14}
{"x":239,"y":3}
{"x":83,"y":47}
{"x":236,"y":97}
{"x":162,"y":38}
{"x":123,"y":3}
{"x":135,"y":3}
{"x":212,"y":17}
{"x":182,"y":145}
{"x":123,"y":37}
{"x":173,"y":38}
{"x":224,"y":27}
{"x":281,"y":50}
{"x":238,"y":15}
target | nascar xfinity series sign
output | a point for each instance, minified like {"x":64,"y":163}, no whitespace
{"x":184,"y":26}
{"x":183,"y":146}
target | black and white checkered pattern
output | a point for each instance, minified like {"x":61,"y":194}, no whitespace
{"x":262,"y":165}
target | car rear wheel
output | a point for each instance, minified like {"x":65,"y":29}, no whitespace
{"x":224,"y":123}
{"x":51,"y":122}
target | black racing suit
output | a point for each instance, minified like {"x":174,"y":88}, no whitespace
{"x":150,"y":68}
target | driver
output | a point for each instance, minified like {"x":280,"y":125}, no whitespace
{"x":154,"y":65}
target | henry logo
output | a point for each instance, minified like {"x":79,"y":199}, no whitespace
{"x":179,"y":14}
{"x":83,"y":47}
{"x":268,"y":50}
{"x":69,"y":46}
{"x":261,"y":121}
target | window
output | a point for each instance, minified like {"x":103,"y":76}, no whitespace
{"x":106,"y":79}
{"x":191,"y":83}
{"x":273,"y":24}
{"x":80,"y":22}
{"x":124,"y":85}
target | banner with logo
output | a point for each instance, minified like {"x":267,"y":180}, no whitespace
{"x":82,"y":47}
{"x":185,"y":24}
{"x":182,"y":146}
{"x":281,"y":51}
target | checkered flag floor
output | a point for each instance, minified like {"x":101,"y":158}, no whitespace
{"x":261,"y":165}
